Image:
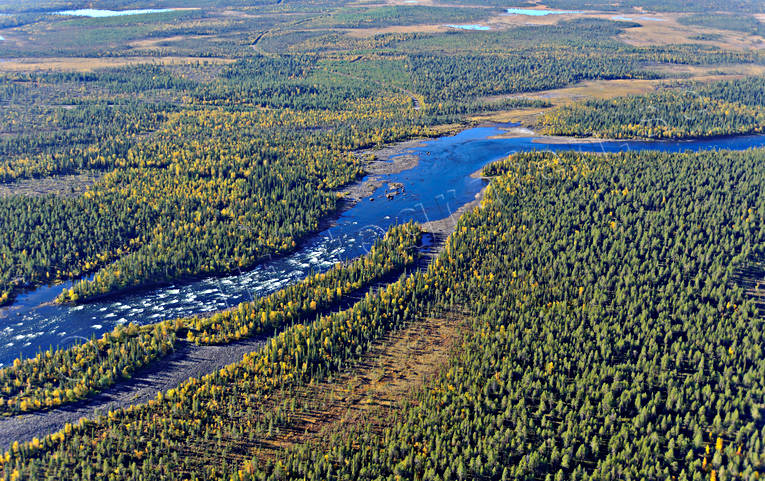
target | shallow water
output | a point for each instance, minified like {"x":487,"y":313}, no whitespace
{"x":96,"y":13}
{"x":470,"y":27}
{"x":538,"y":13}
{"x":434,"y":189}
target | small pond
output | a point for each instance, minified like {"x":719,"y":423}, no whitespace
{"x":470,"y":27}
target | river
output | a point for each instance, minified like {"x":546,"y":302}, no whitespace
{"x":433,"y":189}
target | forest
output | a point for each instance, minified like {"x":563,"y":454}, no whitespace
{"x":589,"y":317}
{"x":315,"y":111}
{"x":610,"y":333}
{"x":731,"y":107}
{"x":743,"y":6}
{"x":62,"y":376}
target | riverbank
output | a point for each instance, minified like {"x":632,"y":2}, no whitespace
{"x":444,"y":227}
{"x":190,"y":360}
{"x":525,"y":132}
{"x":442,"y":180}
{"x":187,"y":361}
{"x":388,"y":160}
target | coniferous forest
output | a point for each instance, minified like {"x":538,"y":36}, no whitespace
{"x":731,"y":107}
{"x":589,"y":316}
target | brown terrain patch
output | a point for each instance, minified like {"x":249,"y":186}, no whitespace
{"x":654,"y":29}
{"x":707,"y":73}
{"x":600,"y":89}
{"x":61,"y":185}
{"x":368,"y":392}
{"x":87,"y":64}
{"x":389,"y":374}
{"x":505,"y":20}
{"x":608,"y":89}
{"x":156,"y":43}
{"x":670,"y":31}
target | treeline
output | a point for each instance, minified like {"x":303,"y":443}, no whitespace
{"x":397,"y":250}
{"x":741,"y":6}
{"x":222,"y":402}
{"x":610,"y":339}
{"x":726,"y":21}
{"x":259,"y":183}
{"x":730,"y":107}
{"x":57,"y":377}
{"x":464,"y":76}
{"x":288,"y":82}
{"x":278,"y":133}
{"x":376,"y":17}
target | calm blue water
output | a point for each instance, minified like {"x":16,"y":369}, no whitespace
{"x":470,"y":27}
{"x":538,"y":13}
{"x":96,"y":13}
{"x":434,"y":189}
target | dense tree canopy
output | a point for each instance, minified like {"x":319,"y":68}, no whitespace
{"x":611,"y":338}
{"x":612,"y":330}
{"x":731,"y":107}
{"x":56,"y":377}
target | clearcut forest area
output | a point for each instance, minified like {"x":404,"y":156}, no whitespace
{"x":382,"y":240}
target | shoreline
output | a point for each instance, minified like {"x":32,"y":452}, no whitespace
{"x":186,"y":361}
{"x":537,"y":138}
{"x":379,"y":162}
{"x":387,"y":160}
{"x":444,"y":227}
{"x":190,"y":361}
{"x":525,"y":132}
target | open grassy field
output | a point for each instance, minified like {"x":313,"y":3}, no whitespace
{"x":89,"y":64}
{"x":608,"y":89}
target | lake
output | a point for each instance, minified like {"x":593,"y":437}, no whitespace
{"x":434,"y":189}
{"x":470,"y":27}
